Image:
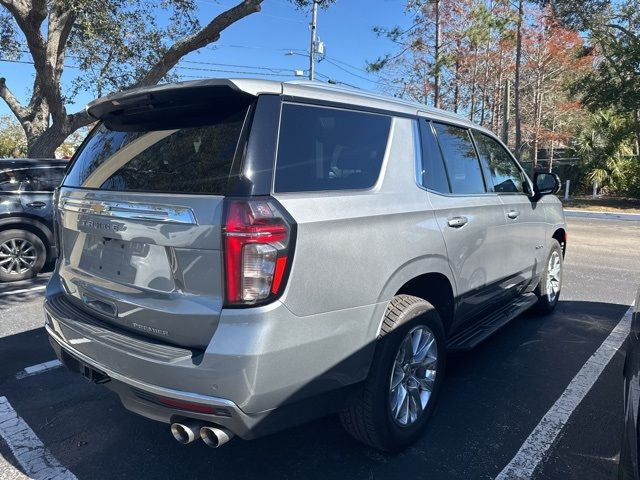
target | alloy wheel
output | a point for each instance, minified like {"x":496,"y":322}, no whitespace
{"x":413,"y":375}
{"x":17,"y":256}
{"x":554,"y":276}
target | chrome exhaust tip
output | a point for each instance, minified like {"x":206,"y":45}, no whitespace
{"x":215,"y":437}
{"x":186,"y":432}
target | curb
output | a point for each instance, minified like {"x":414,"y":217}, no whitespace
{"x":602,"y":215}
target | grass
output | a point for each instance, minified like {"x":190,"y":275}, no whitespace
{"x":603,"y":204}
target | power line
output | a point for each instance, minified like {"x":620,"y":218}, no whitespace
{"x":232,"y":71}
{"x":377,"y":82}
{"x":194,"y":62}
{"x":227,"y":7}
{"x":8,"y":60}
{"x":261,"y":70}
{"x":270,"y":69}
{"x":348,"y":64}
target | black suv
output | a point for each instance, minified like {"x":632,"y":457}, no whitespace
{"x":26,"y":223}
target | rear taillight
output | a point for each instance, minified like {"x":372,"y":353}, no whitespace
{"x":257,"y":249}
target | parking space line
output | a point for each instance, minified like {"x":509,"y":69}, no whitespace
{"x":34,"y":458}
{"x":23,"y":290}
{"x":535,"y":447}
{"x":9,"y":472}
{"x":39,"y":368}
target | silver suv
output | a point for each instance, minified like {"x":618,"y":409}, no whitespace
{"x":239,"y":256}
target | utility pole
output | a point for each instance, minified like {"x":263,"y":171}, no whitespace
{"x":312,"y":49}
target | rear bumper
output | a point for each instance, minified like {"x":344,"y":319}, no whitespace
{"x":140,"y":397}
{"x":263,"y":370}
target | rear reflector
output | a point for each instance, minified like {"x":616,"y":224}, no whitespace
{"x":184,"y":405}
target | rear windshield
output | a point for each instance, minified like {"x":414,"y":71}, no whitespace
{"x":324,"y":148}
{"x":195,"y":159}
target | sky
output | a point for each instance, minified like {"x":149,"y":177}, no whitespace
{"x":269,"y":44}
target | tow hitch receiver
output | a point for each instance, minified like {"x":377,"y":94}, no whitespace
{"x":94,"y":375}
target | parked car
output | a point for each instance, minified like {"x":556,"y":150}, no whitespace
{"x":26,"y":223}
{"x":629,"y":468}
{"x":240,"y":256}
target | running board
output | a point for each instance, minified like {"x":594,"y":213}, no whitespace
{"x":478,"y":331}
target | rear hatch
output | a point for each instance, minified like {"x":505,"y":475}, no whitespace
{"x":140,"y":211}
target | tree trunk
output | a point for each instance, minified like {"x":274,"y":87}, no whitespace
{"x":636,"y":115}
{"x":45,"y":144}
{"x":436,"y":71}
{"x":456,"y":88}
{"x":474,"y":81}
{"x":537,"y":122}
{"x":496,"y":109}
{"x":516,"y":83}
{"x":553,"y":142}
{"x":43,"y":139}
{"x":485,"y":83}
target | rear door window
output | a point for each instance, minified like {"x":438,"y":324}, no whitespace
{"x":195,"y":159}
{"x":45,"y":179}
{"x":463,"y":167}
{"x":12,"y":180}
{"x":505,"y":175}
{"x":323,"y":148}
{"x":38,"y":179}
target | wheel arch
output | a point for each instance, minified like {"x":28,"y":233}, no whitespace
{"x":31,"y":225}
{"x":436,"y":289}
{"x":429,"y":278}
{"x":561,"y":236}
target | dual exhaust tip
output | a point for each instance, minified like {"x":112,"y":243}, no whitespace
{"x":190,"y":430}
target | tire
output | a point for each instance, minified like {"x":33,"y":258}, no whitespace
{"x":22,"y":255}
{"x":368,"y":416}
{"x":547,"y":300}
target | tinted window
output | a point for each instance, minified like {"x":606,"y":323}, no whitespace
{"x":503,"y":171}
{"x":463,"y":168}
{"x":12,"y":180}
{"x":40,"y":179}
{"x":329,"y":149}
{"x":434,"y":175}
{"x":178,"y":160}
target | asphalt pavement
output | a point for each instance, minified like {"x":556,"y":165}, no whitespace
{"x":494,"y":397}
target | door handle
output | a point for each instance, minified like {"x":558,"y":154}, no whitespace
{"x":36,"y":204}
{"x":513,"y":214}
{"x":457,"y":222}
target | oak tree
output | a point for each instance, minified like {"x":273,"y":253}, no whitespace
{"x":114,"y":43}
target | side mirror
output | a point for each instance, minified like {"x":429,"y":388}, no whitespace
{"x":545,"y":184}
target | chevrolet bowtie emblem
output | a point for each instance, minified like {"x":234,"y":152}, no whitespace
{"x":98,"y":208}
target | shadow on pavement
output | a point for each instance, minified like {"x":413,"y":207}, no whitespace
{"x":493,"y":397}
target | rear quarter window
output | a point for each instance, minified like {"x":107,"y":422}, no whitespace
{"x":463,"y":166}
{"x":322,"y":148}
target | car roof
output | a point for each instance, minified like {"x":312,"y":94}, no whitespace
{"x":7,"y":163}
{"x":295,"y":89}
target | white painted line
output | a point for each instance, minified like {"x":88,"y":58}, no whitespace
{"x":40,"y":368}
{"x":23,"y":290}
{"x":9,"y":472}
{"x":34,"y":458}
{"x":535,"y":447}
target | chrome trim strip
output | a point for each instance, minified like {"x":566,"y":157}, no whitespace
{"x":153,"y":389}
{"x":131,"y":211}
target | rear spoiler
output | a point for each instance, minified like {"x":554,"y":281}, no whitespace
{"x":159,"y":97}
